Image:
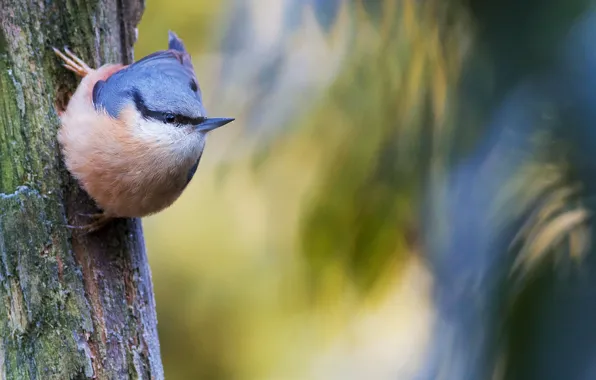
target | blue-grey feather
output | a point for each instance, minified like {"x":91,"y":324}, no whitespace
{"x":165,"y":79}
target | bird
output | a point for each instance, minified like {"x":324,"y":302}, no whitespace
{"x":133,"y":135}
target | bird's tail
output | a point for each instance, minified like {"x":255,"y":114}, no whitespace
{"x":175,"y":43}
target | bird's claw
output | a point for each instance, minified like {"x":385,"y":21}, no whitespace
{"x":73,"y":63}
{"x":100,"y":220}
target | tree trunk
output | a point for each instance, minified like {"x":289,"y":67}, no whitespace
{"x":71,"y":306}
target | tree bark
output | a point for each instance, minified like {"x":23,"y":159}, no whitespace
{"x":71,"y":306}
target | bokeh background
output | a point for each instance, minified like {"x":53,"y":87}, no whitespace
{"x":245,"y":288}
{"x":371,"y":138}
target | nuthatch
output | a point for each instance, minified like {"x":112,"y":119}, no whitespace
{"x":133,"y":135}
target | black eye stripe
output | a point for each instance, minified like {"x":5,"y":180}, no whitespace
{"x":164,"y":117}
{"x":186,"y":120}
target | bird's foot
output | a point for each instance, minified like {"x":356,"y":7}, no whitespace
{"x":73,"y":63}
{"x":99,"y":221}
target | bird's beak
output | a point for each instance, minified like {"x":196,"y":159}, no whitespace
{"x":212,"y":123}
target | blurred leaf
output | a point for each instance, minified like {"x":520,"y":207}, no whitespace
{"x":326,"y":12}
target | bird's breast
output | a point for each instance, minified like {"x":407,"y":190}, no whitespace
{"x":130,"y":168}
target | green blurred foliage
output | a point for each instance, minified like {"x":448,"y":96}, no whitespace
{"x":364,"y":211}
{"x":191,"y":19}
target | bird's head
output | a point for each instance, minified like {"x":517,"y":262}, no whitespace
{"x":163,"y":92}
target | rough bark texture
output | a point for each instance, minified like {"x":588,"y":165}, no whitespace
{"x":71,"y":306}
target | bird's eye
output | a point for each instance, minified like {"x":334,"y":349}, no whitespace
{"x":170,"y":118}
